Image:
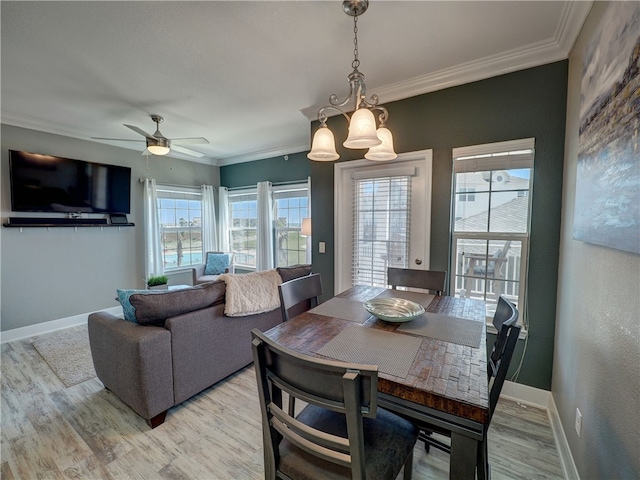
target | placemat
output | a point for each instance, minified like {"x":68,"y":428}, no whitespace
{"x":423,"y":299}
{"x":391,"y":352}
{"x":343,"y":308}
{"x":449,"y":329}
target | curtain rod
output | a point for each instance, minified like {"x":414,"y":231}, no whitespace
{"x":141,"y":180}
{"x":275,"y":184}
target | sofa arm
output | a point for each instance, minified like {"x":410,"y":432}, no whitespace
{"x":197,"y":272}
{"x":133,"y":362}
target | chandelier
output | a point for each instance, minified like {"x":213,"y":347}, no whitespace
{"x":362,"y":124}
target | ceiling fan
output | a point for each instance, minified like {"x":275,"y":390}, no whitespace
{"x":158,"y":144}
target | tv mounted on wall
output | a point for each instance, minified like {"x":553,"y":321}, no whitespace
{"x":45,"y":183}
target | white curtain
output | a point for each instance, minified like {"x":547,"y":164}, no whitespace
{"x":153,"y":258}
{"x":223,"y":224}
{"x":209,"y":236}
{"x":264,"y":244}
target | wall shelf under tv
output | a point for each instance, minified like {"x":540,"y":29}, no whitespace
{"x":29,"y":222}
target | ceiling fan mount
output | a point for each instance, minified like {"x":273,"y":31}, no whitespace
{"x":158,"y":144}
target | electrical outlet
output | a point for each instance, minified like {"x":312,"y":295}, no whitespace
{"x":321,"y":247}
{"x":578,"y":422}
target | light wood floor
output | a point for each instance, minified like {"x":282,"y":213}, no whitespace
{"x":85,"y":432}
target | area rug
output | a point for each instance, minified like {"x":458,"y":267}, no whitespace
{"x":68,"y":354}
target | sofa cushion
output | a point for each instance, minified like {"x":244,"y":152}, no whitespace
{"x":294,"y":271}
{"x":154,"y":309}
{"x":217,"y":263}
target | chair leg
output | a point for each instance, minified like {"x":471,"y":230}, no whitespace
{"x":408,"y":467}
{"x":482,"y":462}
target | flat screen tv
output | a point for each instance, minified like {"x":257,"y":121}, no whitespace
{"x":44,"y":183}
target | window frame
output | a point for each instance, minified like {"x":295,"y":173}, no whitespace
{"x":171,"y":192}
{"x":238,"y":193}
{"x":287,"y":188}
{"x":493,"y":157}
{"x":253,"y":191}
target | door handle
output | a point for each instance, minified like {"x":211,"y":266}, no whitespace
{"x":418,"y":261}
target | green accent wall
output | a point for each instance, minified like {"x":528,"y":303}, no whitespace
{"x":523,"y":104}
{"x":275,"y":170}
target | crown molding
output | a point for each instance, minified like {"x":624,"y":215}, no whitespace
{"x":263,"y":154}
{"x":557,"y":48}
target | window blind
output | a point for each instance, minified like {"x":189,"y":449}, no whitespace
{"x":382,"y":227}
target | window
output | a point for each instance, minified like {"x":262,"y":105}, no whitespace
{"x":243,"y":218}
{"x":490,"y":234}
{"x":381,"y":227}
{"x":291,"y":205}
{"x":180,"y":217}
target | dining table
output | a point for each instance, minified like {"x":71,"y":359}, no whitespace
{"x":431,"y":369}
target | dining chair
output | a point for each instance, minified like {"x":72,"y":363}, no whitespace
{"x":299,"y":295}
{"x":499,"y":359}
{"x":433,"y":280}
{"x":341,"y":433}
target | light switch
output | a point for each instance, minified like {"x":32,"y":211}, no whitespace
{"x":321,"y":247}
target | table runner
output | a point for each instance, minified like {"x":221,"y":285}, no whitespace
{"x":342,"y":308}
{"x":391,"y":352}
{"x":449,"y":329}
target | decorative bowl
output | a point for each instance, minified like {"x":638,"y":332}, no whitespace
{"x":393,"y":309}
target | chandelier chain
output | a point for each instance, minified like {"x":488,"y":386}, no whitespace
{"x":356,"y":63}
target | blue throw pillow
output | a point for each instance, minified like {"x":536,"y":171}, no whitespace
{"x":128,"y":309}
{"x":217,"y":263}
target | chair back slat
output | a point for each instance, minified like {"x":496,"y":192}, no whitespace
{"x":294,"y":292}
{"x":504,"y":320}
{"x":433,"y":280}
{"x":506,"y":314}
{"x":338,"y":386}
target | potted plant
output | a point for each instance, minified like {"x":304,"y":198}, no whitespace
{"x":157,"y":282}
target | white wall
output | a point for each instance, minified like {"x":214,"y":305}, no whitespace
{"x":55,"y":273}
{"x":597,"y":347}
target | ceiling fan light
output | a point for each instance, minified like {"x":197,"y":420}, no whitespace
{"x":384,"y":151}
{"x":362,"y":130}
{"x":158,"y":149}
{"x":159,"y":146}
{"x":323,"y":147}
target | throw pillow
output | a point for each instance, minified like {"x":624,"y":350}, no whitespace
{"x":294,"y":271}
{"x":124,"y":297}
{"x":155,"y":309}
{"x":217,"y":263}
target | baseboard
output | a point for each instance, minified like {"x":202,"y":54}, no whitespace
{"x":51,"y":326}
{"x":526,"y":395}
{"x":564,"y":452}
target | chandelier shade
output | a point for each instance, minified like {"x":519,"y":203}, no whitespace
{"x":362,"y":130}
{"x":323,"y":148}
{"x":384,"y":151}
{"x":362,"y":124}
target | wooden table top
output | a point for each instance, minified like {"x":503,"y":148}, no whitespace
{"x":444,"y":376}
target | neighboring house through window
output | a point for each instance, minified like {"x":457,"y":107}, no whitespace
{"x":490,"y":228}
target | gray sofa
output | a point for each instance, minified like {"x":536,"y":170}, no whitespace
{"x":183,"y":344}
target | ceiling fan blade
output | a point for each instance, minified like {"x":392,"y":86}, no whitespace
{"x":140,"y":131}
{"x":117,"y":139}
{"x":186,"y":151}
{"x":187,"y":141}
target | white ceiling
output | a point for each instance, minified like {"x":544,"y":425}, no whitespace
{"x":245,"y":74}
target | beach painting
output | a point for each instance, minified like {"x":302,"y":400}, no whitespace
{"x":607,"y":202}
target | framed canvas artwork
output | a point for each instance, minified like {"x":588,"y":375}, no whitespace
{"x":607,"y":210}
